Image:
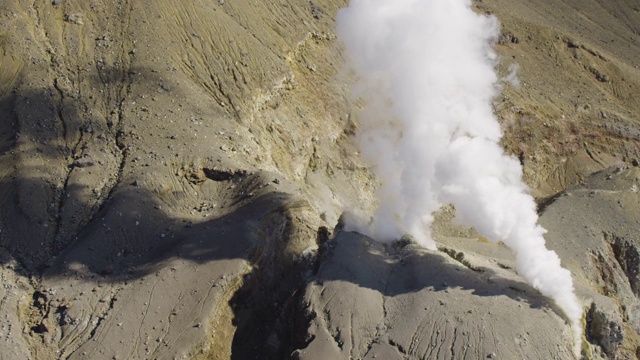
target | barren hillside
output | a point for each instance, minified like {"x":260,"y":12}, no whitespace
{"x":172,"y":177}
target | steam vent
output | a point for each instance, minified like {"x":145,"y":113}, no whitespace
{"x":311,"y":180}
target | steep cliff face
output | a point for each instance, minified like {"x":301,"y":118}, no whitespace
{"x":172,"y":177}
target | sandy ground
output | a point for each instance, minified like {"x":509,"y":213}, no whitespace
{"x":172,"y":175}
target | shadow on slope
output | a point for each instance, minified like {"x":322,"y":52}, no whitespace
{"x":400,"y":268}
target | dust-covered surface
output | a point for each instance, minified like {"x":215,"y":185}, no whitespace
{"x":370,"y":301}
{"x":594,"y":230}
{"x":575,"y":110}
{"x":172,"y":174}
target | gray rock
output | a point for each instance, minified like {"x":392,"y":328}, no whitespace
{"x":362,"y":284}
{"x":603,"y":327}
{"x":628,"y":256}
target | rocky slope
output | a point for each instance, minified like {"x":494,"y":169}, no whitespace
{"x":172,"y":177}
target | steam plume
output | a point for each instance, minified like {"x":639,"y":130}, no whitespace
{"x":426,"y":70}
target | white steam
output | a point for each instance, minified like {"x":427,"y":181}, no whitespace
{"x":426,"y":71}
{"x":512,"y":76}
